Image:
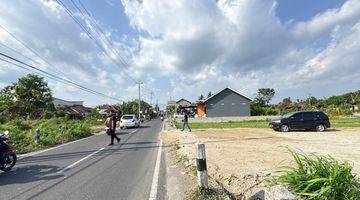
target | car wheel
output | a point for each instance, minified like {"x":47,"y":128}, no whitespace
{"x":284,"y":128}
{"x":320,"y":128}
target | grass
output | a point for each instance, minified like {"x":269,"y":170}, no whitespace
{"x":320,"y":177}
{"x":335,"y":123}
{"x":211,"y":194}
{"x":53,"y":132}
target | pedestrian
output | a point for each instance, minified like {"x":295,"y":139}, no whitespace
{"x":37,"y":136}
{"x":112,"y":127}
{"x":186,"y":122}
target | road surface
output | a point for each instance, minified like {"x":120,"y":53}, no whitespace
{"x":90,"y":169}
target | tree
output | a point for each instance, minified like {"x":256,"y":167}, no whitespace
{"x":209,"y":95}
{"x":264,"y":96}
{"x":201,"y":97}
{"x":287,"y":100}
{"x":29,"y":97}
{"x":7,"y":98}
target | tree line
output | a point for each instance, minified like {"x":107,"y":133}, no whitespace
{"x":31,"y":98}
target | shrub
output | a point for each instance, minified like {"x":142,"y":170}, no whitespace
{"x":2,"y":119}
{"x":320,"y":177}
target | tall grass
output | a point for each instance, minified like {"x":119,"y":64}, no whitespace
{"x":320,"y":177}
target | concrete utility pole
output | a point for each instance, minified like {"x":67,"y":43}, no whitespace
{"x":151,"y":96}
{"x":139,"y":84}
{"x":201,"y":167}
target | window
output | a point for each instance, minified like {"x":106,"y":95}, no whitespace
{"x":308,"y":116}
{"x":128,"y":117}
{"x":297,"y":116}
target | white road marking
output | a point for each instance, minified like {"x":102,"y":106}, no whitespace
{"x":52,"y":148}
{"x":79,"y":161}
{"x":154,"y":185}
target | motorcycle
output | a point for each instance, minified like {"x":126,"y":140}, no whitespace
{"x":8,"y":159}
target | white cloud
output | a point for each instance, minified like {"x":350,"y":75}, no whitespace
{"x":242,"y":44}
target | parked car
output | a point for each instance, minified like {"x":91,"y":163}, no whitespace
{"x":178,"y":116}
{"x":129,"y":121}
{"x":305,"y":120}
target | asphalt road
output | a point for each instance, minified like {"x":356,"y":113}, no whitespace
{"x":90,"y":169}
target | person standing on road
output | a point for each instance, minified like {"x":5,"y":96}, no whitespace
{"x":112,"y":127}
{"x":186,"y":122}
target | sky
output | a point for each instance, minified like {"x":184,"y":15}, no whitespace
{"x":181,"y":49}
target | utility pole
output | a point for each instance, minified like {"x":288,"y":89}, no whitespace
{"x":151,"y":96}
{"x":139,"y":84}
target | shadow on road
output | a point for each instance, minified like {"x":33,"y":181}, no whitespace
{"x":127,"y":146}
{"x":30,"y":173}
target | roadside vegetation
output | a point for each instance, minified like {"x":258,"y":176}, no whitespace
{"x":52,"y":132}
{"x":27,"y":106}
{"x":210,"y":194}
{"x":320,"y":177}
{"x":335,"y":123}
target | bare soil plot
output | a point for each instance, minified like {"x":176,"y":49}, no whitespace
{"x":242,"y":158}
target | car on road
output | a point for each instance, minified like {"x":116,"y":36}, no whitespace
{"x":302,"y":120}
{"x":129,"y":121}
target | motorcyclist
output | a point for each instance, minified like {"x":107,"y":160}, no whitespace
{"x":3,"y":148}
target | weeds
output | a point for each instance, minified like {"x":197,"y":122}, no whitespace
{"x":320,"y":177}
{"x":210,"y":194}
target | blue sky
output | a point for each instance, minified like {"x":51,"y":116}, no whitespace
{"x":186,"y":48}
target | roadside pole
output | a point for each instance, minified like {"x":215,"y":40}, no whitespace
{"x":139,"y":84}
{"x":201,"y":167}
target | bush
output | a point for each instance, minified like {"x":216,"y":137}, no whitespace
{"x":2,"y":119}
{"x":316,"y":177}
{"x":53,"y":131}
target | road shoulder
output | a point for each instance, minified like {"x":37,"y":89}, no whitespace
{"x":179,"y":180}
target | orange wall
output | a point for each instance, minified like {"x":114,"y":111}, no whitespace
{"x":201,"y":110}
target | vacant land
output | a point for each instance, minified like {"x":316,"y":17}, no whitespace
{"x":242,"y":158}
{"x":336,"y":123}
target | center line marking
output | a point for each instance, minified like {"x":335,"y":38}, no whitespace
{"x":79,"y":161}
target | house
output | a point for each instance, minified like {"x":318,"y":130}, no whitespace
{"x":226,"y":103}
{"x":60,"y":102}
{"x":105,"y":109}
{"x":74,"y":109}
{"x":184,"y":105}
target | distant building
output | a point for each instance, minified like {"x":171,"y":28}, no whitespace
{"x":171,"y":103}
{"x":183,"y":103}
{"x":74,"y":109}
{"x":226,"y":103}
{"x":60,"y":102}
{"x":106,"y":108}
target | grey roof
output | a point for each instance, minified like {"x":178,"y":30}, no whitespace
{"x":248,"y":98}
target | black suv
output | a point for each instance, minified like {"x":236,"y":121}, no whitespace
{"x":307,"y":120}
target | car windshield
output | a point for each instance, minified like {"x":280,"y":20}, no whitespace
{"x":128,"y":117}
{"x":287,"y":115}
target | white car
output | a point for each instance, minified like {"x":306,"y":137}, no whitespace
{"x":129,"y":121}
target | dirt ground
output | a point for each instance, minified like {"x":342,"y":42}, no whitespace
{"x":242,"y":158}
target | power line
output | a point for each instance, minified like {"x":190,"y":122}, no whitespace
{"x":54,"y":77}
{"x":101,"y":34}
{"x":30,"y":49}
{"x":89,"y":34}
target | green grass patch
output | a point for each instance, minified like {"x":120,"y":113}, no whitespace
{"x":335,"y":123}
{"x":345,"y":122}
{"x":229,"y":124}
{"x":320,"y":177}
{"x":53,"y":131}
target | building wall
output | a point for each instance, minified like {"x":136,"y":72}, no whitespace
{"x":201,"y":110}
{"x":227,"y":104}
